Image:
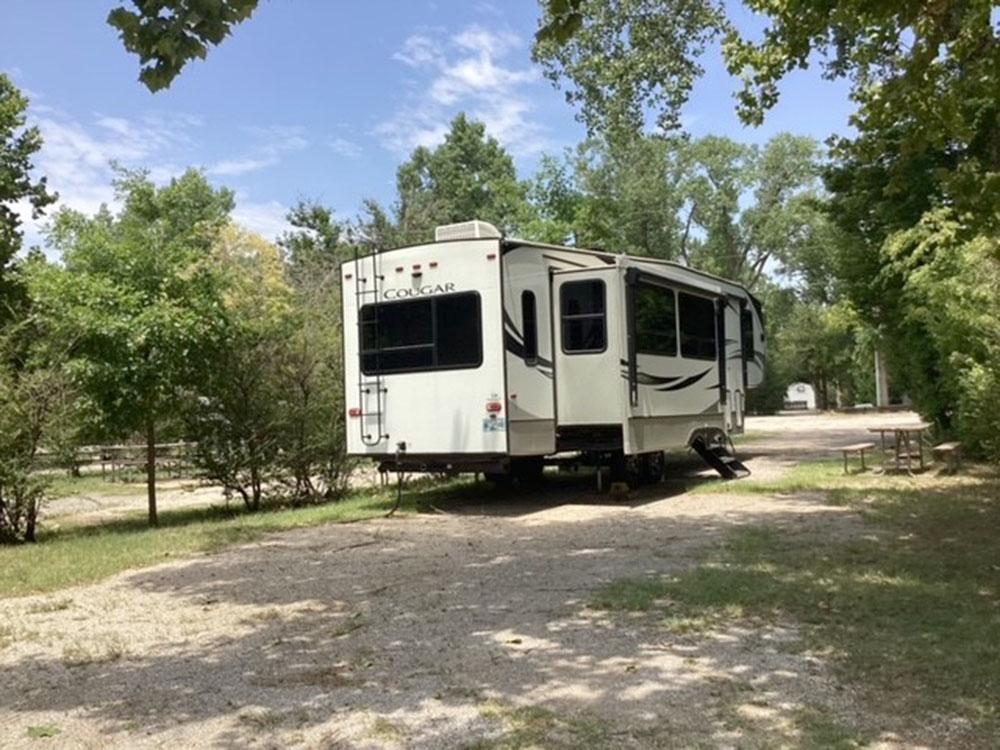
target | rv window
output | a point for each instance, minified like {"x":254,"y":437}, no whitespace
{"x":582,"y":307}
{"x":529,"y":322}
{"x":746,"y":334}
{"x":697,"y":315}
{"x":431,"y":333}
{"x":655,"y":320}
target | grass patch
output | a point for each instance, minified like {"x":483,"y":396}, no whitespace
{"x":73,"y":554}
{"x":61,"y":485}
{"x":910,"y":612}
{"x":43,"y":731}
{"x":535,"y":727}
{"x":829,"y":476}
{"x":387,"y":731}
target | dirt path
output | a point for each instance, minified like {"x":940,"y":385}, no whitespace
{"x":429,"y":632}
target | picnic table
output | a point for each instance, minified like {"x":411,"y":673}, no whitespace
{"x":908,"y":443}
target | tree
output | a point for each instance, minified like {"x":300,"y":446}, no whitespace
{"x":555,"y":198}
{"x":632,"y":196}
{"x":38,"y":408}
{"x":469,"y":176}
{"x":625,"y":57}
{"x":314,"y":245}
{"x":18,"y":145}
{"x":268,"y":417}
{"x":778,"y":222}
{"x":730,"y":208}
{"x":237,"y":415}
{"x":312,"y":366}
{"x":167,"y":34}
{"x":137,"y":302}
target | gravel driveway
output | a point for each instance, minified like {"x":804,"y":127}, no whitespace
{"x":428,"y":632}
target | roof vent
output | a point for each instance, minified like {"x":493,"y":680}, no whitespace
{"x":467,"y":230}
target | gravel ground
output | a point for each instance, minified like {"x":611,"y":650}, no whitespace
{"x":430,"y":632}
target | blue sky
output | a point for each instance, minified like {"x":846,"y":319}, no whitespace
{"x":322,"y":100}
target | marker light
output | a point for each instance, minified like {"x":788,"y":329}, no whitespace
{"x":493,"y":406}
{"x":354,"y":411}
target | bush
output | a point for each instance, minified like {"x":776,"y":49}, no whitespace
{"x":33,"y":403}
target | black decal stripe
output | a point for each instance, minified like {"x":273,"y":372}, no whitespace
{"x":512,"y":345}
{"x":687,"y":382}
{"x":509,"y":322}
{"x":646,"y":379}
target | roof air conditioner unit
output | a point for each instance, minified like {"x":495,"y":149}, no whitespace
{"x":467,"y":230}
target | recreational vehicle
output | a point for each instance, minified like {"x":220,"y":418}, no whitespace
{"x":481,"y":353}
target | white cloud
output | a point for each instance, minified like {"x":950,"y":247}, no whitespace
{"x":76,"y":157}
{"x":418,"y":51}
{"x":346,"y":148}
{"x":465,"y":72}
{"x":266,"y":218}
{"x":273,"y":143}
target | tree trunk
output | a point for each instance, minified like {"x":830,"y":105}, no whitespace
{"x":151,"y":472}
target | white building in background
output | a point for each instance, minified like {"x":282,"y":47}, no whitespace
{"x":800,"y":396}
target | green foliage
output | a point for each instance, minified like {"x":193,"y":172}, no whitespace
{"x":924,"y":75}
{"x":34,"y":401}
{"x":469,"y":176}
{"x":948,"y":275}
{"x":314,"y":247}
{"x":136,"y":302}
{"x":625,"y":57}
{"x":18,"y":145}
{"x":633,"y":196}
{"x":167,"y":34}
{"x":268,"y":417}
{"x":907,"y":610}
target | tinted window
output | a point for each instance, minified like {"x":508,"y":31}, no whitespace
{"x":697,"y":319}
{"x":655,"y":320}
{"x":431,"y":333}
{"x":582,"y":311}
{"x":529,"y":321}
{"x":746,"y":334}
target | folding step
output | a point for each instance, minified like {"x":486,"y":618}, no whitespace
{"x":720,"y":459}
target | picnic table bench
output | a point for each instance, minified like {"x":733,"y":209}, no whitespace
{"x":908,"y":444}
{"x":951,"y":453}
{"x":858,"y":448}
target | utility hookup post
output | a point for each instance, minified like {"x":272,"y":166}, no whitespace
{"x":881,"y":381}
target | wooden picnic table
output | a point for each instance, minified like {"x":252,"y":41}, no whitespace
{"x":900,"y":454}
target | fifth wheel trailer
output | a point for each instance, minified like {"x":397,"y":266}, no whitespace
{"x":480,"y":353}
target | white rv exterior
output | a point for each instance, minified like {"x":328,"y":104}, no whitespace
{"x":476,"y":352}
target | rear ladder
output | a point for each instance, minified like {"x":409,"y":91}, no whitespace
{"x":371,"y":434}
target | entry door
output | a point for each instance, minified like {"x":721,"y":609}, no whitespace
{"x":588,"y":315}
{"x":736,"y":393}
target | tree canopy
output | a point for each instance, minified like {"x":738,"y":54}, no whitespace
{"x":136,"y":300}
{"x":167,"y":34}
{"x":18,"y":146}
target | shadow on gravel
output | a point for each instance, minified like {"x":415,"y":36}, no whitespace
{"x":431,"y":623}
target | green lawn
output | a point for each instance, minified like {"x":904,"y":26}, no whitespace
{"x":62,"y":485}
{"x":73,"y":554}
{"x":909,"y":611}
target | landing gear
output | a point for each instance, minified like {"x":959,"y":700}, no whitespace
{"x":524,"y":471}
